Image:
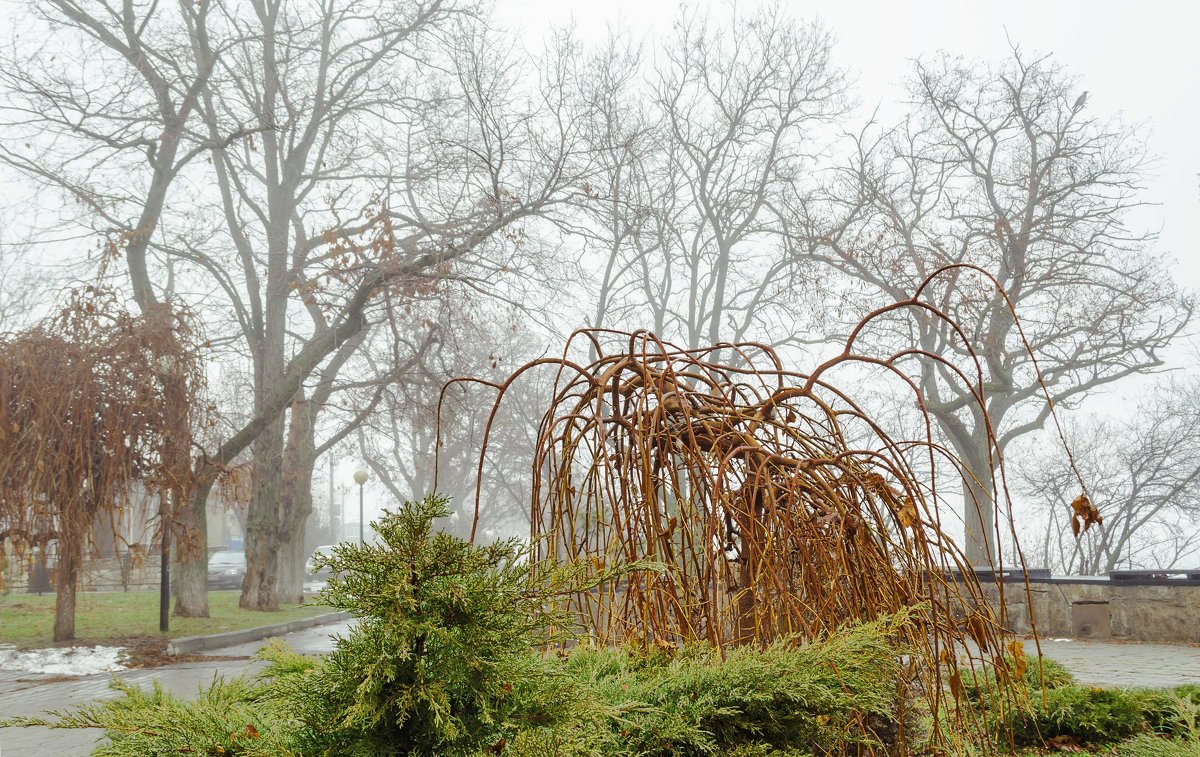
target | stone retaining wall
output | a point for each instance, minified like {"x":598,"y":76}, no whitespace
{"x":1102,"y":609}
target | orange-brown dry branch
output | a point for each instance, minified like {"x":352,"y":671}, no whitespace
{"x":92,"y":402}
{"x":740,"y":479}
{"x":742,"y":484}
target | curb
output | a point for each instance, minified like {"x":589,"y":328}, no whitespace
{"x":190,"y":644}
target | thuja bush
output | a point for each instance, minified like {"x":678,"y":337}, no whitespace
{"x":981,"y":685}
{"x":1153,"y":746}
{"x":1087,"y":715}
{"x":441,"y":659}
{"x":448,"y":656}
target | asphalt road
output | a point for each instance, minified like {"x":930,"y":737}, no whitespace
{"x":27,"y":694}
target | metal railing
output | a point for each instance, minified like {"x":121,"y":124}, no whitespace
{"x":127,"y":570}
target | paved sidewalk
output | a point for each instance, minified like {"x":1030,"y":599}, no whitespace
{"x":27,"y":694}
{"x":1128,"y":665}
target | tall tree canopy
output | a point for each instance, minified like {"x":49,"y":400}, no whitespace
{"x":1004,"y":168}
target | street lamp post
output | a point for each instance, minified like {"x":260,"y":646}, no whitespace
{"x":360,"y":478}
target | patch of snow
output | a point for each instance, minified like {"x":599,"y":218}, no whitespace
{"x":62,"y":661}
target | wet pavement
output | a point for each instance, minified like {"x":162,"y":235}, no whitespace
{"x":1093,"y":663}
{"x":25,"y":694}
{"x":1113,"y":664}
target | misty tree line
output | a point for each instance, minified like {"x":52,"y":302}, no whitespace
{"x":358,"y":201}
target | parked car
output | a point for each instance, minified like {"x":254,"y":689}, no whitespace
{"x":310,"y":568}
{"x":226,"y":570}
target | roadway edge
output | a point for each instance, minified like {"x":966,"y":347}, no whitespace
{"x":191,"y":644}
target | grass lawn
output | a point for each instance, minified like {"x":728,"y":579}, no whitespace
{"x":27,"y":620}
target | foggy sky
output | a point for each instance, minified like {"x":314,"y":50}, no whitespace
{"x":1138,"y":60}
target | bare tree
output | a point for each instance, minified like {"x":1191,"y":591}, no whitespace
{"x":429,"y":432}
{"x":342,"y":397}
{"x":1144,"y":472}
{"x":106,"y":113}
{"x":308,"y":80}
{"x":456,"y":160}
{"x":20,"y":288}
{"x":1001,"y":167}
{"x":353,"y":151}
{"x":105,"y":109}
{"x":94,"y":402}
{"x":689,"y":215}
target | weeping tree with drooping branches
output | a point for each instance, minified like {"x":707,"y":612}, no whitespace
{"x":97,"y":407}
{"x":775,"y":505}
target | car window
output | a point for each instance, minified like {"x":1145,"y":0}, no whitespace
{"x":228,"y":558}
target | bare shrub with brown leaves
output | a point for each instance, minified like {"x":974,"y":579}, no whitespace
{"x":749,"y":488}
{"x":92,"y":401}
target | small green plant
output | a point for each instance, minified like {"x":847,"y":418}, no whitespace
{"x":1183,"y":720}
{"x":1086,"y":715}
{"x":831,"y":696}
{"x":981,"y":687}
{"x":442,"y":657}
{"x":228,"y":718}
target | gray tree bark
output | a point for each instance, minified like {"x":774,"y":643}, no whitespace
{"x":296,"y":502}
{"x":70,"y":552}
{"x":979,"y":511}
{"x":190,"y":561}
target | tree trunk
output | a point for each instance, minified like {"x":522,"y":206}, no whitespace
{"x":259,"y":589}
{"x":751,"y":619}
{"x":70,"y":554}
{"x":39,"y":574}
{"x":295,"y":504}
{"x":190,"y":562}
{"x":291,"y":570}
{"x":979,"y":511}
{"x":106,"y":533}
